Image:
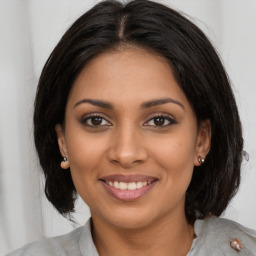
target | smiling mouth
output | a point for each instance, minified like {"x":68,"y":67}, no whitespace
{"x":128,"y":188}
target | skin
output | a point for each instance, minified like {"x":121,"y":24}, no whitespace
{"x":128,"y":141}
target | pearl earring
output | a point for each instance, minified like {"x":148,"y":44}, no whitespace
{"x":201,"y":160}
{"x":65,"y":163}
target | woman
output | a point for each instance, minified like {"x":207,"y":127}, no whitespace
{"x":134,"y":112}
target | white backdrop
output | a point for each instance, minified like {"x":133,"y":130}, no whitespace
{"x":29,"y":29}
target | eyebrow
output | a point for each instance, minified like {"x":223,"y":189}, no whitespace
{"x":98,"y":103}
{"x":156,"y":102}
{"x":147,"y":104}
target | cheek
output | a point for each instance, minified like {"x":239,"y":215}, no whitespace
{"x":83,"y":163}
{"x":176,"y":158}
{"x":84,"y":154}
{"x":179,"y":149}
{"x":83,"y":148}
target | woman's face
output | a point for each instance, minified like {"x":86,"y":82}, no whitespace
{"x":131,"y":138}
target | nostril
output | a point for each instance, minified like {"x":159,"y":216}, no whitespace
{"x":127,"y":153}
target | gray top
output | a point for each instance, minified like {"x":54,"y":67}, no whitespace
{"x":213,"y":238}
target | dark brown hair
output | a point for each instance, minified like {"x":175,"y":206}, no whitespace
{"x":198,"y":71}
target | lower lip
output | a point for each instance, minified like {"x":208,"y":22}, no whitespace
{"x":128,"y":195}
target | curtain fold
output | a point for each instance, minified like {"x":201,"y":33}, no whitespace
{"x":20,"y":208}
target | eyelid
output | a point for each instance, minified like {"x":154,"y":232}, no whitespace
{"x":95,"y":114}
{"x":163,"y":115}
{"x":167,"y":116}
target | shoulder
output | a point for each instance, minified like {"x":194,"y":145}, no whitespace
{"x":218,"y":234}
{"x":67,"y":244}
{"x":228,"y":224}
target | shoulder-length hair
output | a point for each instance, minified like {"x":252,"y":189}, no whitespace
{"x":197,"y":69}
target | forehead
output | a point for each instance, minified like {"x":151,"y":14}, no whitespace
{"x":125,"y":75}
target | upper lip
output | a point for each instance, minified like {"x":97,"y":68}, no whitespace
{"x":128,"y":178}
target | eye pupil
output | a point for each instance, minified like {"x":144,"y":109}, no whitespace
{"x":159,"y":121}
{"x":96,"y":120}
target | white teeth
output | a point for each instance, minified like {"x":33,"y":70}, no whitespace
{"x":123,"y":185}
{"x":128,"y":186}
{"x":132,"y":186}
{"x":116,"y":184}
{"x":139,"y":185}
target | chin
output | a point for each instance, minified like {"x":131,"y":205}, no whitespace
{"x":132,"y":221}
{"x":130,"y":218}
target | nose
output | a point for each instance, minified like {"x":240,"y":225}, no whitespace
{"x":127,"y":148}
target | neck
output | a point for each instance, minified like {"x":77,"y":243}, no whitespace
{"x":165,"y":237}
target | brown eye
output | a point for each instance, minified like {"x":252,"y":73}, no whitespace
{"x":95,"y":121}
{"x":160,"y":121}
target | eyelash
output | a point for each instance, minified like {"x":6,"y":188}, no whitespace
{"x":85,"y":119}
{"x":165,"y":117}
{"x":94,"y":115}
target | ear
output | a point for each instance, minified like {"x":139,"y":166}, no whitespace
{"x":61,"y":140}
{"x":203,"y":141}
